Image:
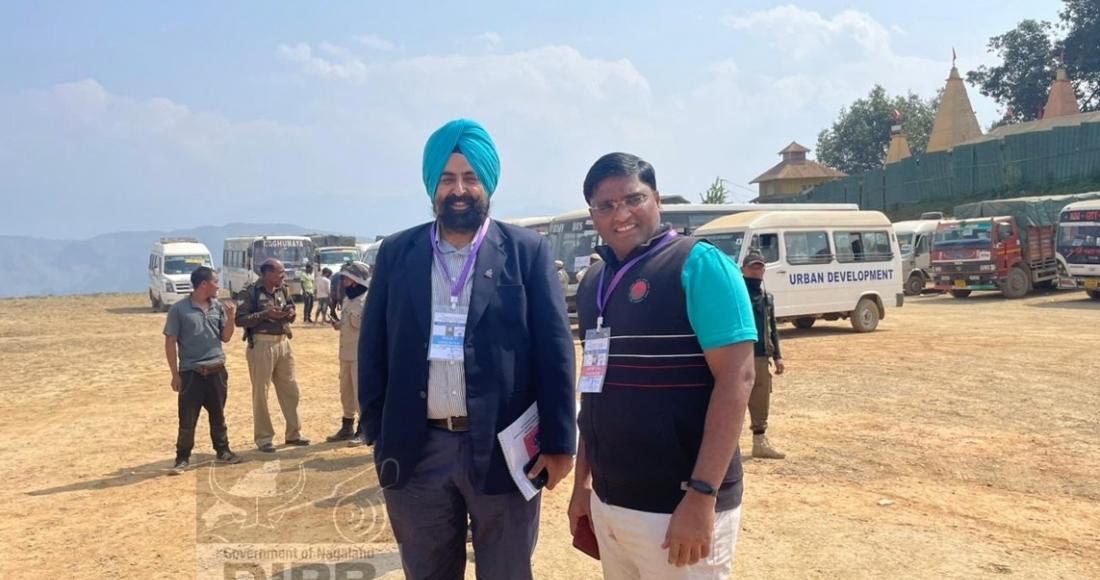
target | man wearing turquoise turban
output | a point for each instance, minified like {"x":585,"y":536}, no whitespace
{"x":464,"y":330}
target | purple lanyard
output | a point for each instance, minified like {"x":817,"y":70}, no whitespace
{"x":602,"y":297}
{"x":457,"y":285}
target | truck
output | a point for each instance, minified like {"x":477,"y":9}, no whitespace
{"x":1079,"y":245}
{"x":915,"y":244}
{"x":332,"y":251}
{"x":1005,"y":245}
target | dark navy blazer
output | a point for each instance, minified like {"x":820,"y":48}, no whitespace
{"x":519,"y":350}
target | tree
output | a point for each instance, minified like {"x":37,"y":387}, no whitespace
{"x":1021,"y":83}
{"x":1081,"y":21}
{"x":860,"y":137}
{"x":716,"y":192}
{"x":1029,"y":55}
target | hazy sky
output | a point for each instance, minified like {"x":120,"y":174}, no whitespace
{"x":149,"y":115}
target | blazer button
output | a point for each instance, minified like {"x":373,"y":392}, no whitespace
{"x":425,"y":345}
{"x":423,"y":394}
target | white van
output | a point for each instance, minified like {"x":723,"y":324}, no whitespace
{"x":171,"y":262}
{"x":820,"y":264}
{"x":915,"y":242}
{"x":368,"y":253}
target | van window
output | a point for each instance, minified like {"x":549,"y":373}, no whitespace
{"x":922,"y":245}
{"x":768,"y":245}
{"x":730,"y":243}
{"x":863,"y":247}
{"x":807,"y":248}
{"x":150,"y":261}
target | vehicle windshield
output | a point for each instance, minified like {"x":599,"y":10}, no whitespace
{"x":573,"y":242}
{"x":964,"y":235}
{"x":905,"y":243}
{"x":1079,"y":243}
{"x":338,"y":256}
{"x":185,"y":264}
{"x":728,"y":243}
{"x":292,"y":253}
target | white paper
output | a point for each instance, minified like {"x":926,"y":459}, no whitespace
{"x":520,"y":442}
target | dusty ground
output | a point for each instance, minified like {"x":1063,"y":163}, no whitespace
{"x":960,"y":440}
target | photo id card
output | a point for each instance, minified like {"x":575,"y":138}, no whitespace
{"x":597,"y":345}
{"x":448,"y":335}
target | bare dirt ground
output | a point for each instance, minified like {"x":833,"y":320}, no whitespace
{"x":960,"y":440}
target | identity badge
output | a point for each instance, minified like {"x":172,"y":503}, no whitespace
{"x":597,"y":344}
{"x":448,"y":335}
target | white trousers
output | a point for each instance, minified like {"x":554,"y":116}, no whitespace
{"x":630,"y":545}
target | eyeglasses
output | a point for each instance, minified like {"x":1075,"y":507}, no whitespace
{"x":607,"y":208}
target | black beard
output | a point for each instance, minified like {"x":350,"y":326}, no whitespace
{"x":463,"y":221}
{"x":753,"y":284}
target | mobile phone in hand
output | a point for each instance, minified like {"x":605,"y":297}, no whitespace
{"x":539,"y":481}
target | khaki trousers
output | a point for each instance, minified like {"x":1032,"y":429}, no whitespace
{"x":760,"y":399}
{"x":271,"y":360}
{"x":349,"y":387}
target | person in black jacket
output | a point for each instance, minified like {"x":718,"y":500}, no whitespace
{"x":763,"y":310}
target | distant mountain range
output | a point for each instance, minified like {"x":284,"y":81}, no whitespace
{"x":107,"y":263}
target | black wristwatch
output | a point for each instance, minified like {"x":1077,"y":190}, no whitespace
{"x":699,"y":486}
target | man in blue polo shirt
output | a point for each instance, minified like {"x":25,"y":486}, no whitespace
{"x":668,"y":368}
{"x":193,"y":337}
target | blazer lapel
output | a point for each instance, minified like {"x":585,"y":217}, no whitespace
{"x":417,"y":279}
{"x":487,"y":271}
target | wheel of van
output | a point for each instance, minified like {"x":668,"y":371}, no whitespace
{"x":960,"y":293}
{"x":914,"y":285}
{"x":153,"y":302}
{"x":865,"y":317}
{"x":1094,"y":294}
{"x":804,"y":322}
{"x":1018,"y":284}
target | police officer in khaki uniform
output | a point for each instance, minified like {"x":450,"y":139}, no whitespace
{"x":265,"y":311}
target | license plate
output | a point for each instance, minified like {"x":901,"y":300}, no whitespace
{"x":960,"y":283}
{"x":1091,"y":283}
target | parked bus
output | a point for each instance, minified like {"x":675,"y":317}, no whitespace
{"x":819,"y":264}
{"x":573,"y":238}
{"x":1079,"y":245}
{"x":539,"y":224}
{"x":242,"y":257}
{"x":171,"y":262}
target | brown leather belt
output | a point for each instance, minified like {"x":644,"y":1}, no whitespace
{"x":209,"y":370}
{"x":453,"y":424}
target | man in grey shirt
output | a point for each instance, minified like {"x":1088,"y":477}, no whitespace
{"x":193,"y":337}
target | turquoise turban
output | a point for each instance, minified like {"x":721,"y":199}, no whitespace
{"x":473,"y":141}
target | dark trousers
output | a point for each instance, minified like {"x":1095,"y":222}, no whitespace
{"x":198,"y":392}
{"x":307,"y":305}
{"x":430,"y":514}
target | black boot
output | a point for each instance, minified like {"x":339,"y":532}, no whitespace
{"x":346,"y":432}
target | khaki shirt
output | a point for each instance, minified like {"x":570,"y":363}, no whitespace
{"x":254,"y":317}
{"x":351,"y":317}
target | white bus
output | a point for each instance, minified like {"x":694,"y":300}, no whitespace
{"x":1079,"y":246}
{"x":573,"y":238}
{"x":171,"y":262}
{"x":242,"y":257}
{"x":539,"y":224}
{"x":820,"y":264}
